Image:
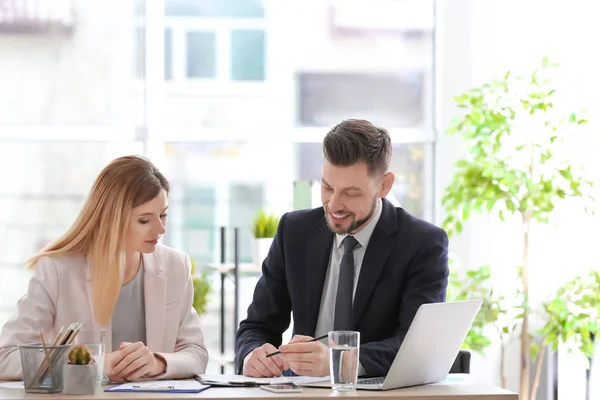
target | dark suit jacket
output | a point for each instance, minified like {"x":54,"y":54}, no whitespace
{"x":405,"y":265}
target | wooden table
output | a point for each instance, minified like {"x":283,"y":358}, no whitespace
{"x":470,"y":391}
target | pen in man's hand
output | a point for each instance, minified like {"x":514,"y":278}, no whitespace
{"x":311,"y":340}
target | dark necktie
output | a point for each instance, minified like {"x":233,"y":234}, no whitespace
{"x":343,"y":302}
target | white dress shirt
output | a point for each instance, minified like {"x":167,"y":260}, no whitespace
{"x":327,"y":308}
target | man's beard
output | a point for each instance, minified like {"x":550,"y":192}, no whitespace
{"x":356,"y":223}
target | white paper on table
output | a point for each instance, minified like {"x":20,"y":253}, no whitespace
{"x":298,"y":380}
{"x":302,"y":380}
{"x":177,"y":384}
{"x":12,"y":385}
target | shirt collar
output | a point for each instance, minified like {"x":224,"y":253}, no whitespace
{"x":364,"y":235}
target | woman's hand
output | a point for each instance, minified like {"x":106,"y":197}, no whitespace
{"x":133,"y":361}
{"x":110,"y":360}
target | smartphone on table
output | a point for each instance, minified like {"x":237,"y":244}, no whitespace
{"x":283,"y":388}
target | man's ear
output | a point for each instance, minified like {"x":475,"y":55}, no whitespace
{"x":386,"y":184}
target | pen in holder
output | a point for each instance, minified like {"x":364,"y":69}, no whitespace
{"x":43,"y":367}
{"x":42,"y":364}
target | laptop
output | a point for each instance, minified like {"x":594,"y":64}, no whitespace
{"x":429,"y":349}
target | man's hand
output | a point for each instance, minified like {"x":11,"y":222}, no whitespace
{"x":259,"y":366}
{"x":133,"y":361}
{"x":309,"y":359}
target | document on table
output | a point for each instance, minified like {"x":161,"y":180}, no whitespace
{"x":12,"y":385}
{"x":173,"y":386}
{"x":245,"y":381}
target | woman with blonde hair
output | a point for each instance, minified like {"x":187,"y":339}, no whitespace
{"x":109,"y":272}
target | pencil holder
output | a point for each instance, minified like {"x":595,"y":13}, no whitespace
{"x":42,"y":367}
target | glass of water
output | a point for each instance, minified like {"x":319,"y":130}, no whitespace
{"x":343,"y":359}
{"x":94,"y":339}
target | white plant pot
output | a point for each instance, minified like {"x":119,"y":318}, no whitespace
{"x":260,"y":250}
{"x":80,"y":379}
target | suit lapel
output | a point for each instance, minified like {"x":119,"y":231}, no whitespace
{"x":317,"y":260}
{"x":155,"y":292}
{"x":378,"y":250}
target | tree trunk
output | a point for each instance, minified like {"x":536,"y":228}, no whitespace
{"x":525,"y":342}
{"x":502,"y":355}
{"x":538,"y":373}
{"x":588,"y":373}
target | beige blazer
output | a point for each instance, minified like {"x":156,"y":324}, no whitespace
{"x":60,"y":292}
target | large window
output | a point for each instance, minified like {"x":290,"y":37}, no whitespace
{"x":240,"y":135}
{"x":326,"y":61}
{"x":395,"y":99}
{"x":231,"y":98}
{"x":69,"y":104}
{"x":222,"y":41}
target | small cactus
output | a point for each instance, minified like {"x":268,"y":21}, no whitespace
{"x":80,"y":355}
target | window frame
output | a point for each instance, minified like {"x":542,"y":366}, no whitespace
{"x":221,"y":84}
{"x":288,"y":135}
{"x":70,"y":133}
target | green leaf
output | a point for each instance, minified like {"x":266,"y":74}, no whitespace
{"x":511,"y":206}
{"x":566,"y":173}
{"x":458,"y":226}
{"x":501,"y":215}
{"x":535,"y":350}
{"x":466,"y":212}
{"x":545,"y":156}
{"x":545,"y":62}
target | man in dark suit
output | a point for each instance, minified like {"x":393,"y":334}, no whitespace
{"x":357,"y":263}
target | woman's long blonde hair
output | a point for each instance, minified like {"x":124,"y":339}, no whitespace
{"x":101,"y":227}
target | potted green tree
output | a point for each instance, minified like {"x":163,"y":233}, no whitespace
{"x":573,"y":317}
{"x":477,"y":284}
{"x":80,"y":373}
{"x":202,"y":289}
{"x":263,"y":229}
{"x":515,"y":165}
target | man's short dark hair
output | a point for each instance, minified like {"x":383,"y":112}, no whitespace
{"x":353,"y":141}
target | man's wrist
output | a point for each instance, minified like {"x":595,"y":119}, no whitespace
{"x":246,"y":362}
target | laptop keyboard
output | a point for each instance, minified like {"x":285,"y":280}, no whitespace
{"x":371,"y":381}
